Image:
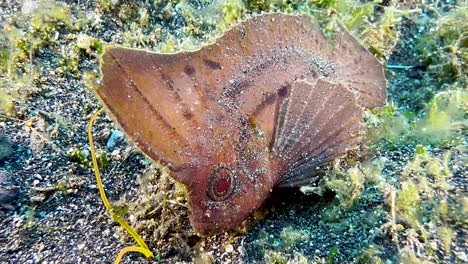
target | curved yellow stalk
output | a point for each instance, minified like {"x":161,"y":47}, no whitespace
{"x":143,"y":251}
{"x":143,"y":248}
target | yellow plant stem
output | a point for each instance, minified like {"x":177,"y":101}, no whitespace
{"x":143,"y":251}
{"x":143,"y":248}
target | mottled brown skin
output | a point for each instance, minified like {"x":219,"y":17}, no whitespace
{"x":255,"y":172}
{"x":267,"y":105}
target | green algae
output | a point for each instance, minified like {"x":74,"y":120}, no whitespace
{"x":331,"y":255}
{"x":7,"y":106}
{"x":4,"y":51}
{"x":80,"y":158}
{"x":439,"y":55}
{"x":291,"y":237}
{"x":346,"y":183}
{"x":370,"y":256}
{"x":232,"y":11}
{"x":46,"y":20}
{"x":445,"y":49}
{"x":29,"y":37}
{"x":408,"y":256}
{"x":440,"y":124}
{"x":408,"y":203}
{"x":446,"y":235}
{"x":445,"y":117}
{"x":417,"y":206}
{"x":161,"y":214}
{"x":421,"y":204}
{"x":278,"y":257}
{"x":48,"y":16}
{"x":374,"y":24}
{"x":357,"y":12}
{"x":7,"y":95}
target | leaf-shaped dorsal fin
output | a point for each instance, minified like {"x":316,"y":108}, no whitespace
{"x":359,"y":70}
{"x":130,"y":91}
{"x":180,"y":107}
{"x":319,"y":122}
{"x":162,"y":111}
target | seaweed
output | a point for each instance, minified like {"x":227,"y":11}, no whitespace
{"x":232,"y":11}
{"x":373,"y":23}
{"x":114,"y":213}
{"x":436,"y":54}
{"x":444,"y":49}
{"x":441,"y":124}
{"x":420,"y":204}
{"x":161,"y":213}
{"x":408,"y":203}
{"x":7,"y":106}
{"x":83,"y":158}
{"x":369,"y":256}
{"x":445,"y":119}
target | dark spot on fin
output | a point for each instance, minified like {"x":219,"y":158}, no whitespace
{"x":189,"y":70}
{"x":283,"y":91}
{"x":187,"y":115}
{"x":212,"y":64}
{"x":168,"y":80}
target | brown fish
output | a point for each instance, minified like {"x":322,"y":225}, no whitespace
{"x":264,"y":107}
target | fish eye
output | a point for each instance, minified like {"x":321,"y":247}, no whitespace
{"x":221,"y":184}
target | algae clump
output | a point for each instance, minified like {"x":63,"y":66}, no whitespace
{"x":446,"y":114}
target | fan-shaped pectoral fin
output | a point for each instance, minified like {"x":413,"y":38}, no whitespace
{"x":319,"y":122}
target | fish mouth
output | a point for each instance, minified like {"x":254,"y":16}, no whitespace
{"x":209,"y":227}
{"x":206,"y":228}
{"x":207,"y":224}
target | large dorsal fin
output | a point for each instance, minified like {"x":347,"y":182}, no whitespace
{"x":180,"y":107}
{"x":161,"y":107}
{"x":319,"y":122}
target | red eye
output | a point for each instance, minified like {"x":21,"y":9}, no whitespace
{"x":221,"y":184}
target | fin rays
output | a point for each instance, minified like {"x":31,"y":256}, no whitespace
{"x":303,"y":131}
{"x":318,"y":156}
{"x":333,"y":137}
{"x":316,"y":124}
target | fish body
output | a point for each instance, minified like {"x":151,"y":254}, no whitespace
{"x":266,"y":106}
{"x":227,"y":188}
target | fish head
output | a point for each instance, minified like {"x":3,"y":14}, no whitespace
{"x":223,"y":193}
